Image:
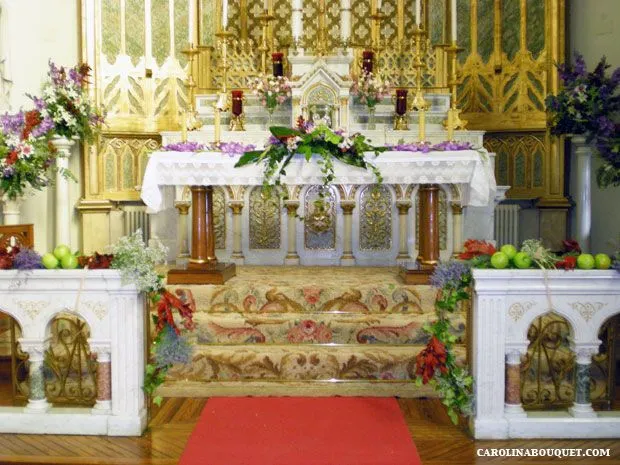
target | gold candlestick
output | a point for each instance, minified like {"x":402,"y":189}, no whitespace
{"x":184,"y":127}
{"x":321,"y":40}
{"x":220,"y":105}
{"x":191,"y":120}
{"x":454,"y":120}
{"x":419,"y":103}
{"x":265,"y":19}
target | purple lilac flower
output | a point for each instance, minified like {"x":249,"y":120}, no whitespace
{"x":452,"y":146}
{"x":273,"y":140}
{"x":12,"y":123}
{"x":423,"y":147}
{"x":8,"y":172}
{"x":235,"y":148}
{"x":606,"y":126}
{"x":56,"y":74}
{"x":449,"y":274}
{"x":187,"y":146}
{"x":43,"y":128}
{"x":27,"y":259}
{"x":39,"y":103}
{"x":76,"y":77}
{"x":171,"y":348}
{"x":580,"y":65}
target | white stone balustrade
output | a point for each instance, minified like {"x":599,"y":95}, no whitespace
{"x":505,"y":303}
{"x":115,"y":315}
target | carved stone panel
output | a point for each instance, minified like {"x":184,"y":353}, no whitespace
{"x":219,"y":217}
{"x":265,"y":225}
{"x":320,"y":219}
{"x":375,"y":218}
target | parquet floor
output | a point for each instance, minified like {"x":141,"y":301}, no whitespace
{"x":437,"y":440}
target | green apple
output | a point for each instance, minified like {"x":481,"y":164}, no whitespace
{"x":49,"y":261}
{"x":585,"y":261}
{"x":522,"y":260}
{"x":61,"y":251}
{"x":499,"y":260}
{"x":510,"y":250}
{"x":69,"y":262}
{"x":602,"y":261}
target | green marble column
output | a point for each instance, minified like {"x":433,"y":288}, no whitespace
{"x":582,"y":383}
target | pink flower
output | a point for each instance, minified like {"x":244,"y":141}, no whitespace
{"x":312,"y":294}
{"x":310,"y":331}
{"x":249,"y":302}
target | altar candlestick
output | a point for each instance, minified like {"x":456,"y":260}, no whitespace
{"x":421,"y":125}
{"x":216,"y":125}
{"x":453,"y":21}
{"x":418,"y":12}
{"x":378,"y":5}
{"x":184,"y":127}
{"x":401,"y":101}
{"x":237,"y":102}
{"x":278,"y":66}
{"x":266,"y":5}
{"x":450,"y":125}
{"x":224,"y":14}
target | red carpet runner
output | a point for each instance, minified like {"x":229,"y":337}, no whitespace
{"x":301,"y":431}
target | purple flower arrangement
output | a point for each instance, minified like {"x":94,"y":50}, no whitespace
{"x":229,"y":148}
{"x":450,"y":274}
{"x":27,"y":259}
{"x":588,"y":105}
{"x":426,"y":147}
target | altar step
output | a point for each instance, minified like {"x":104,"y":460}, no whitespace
{"x":307,"y":331}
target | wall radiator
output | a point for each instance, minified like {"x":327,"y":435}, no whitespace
{"x":135,"y":218}
{"x":507,"y":224}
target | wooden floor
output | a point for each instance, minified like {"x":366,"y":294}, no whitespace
{"x":437,"y":440}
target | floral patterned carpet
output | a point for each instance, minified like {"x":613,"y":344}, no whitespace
{"x":307,"y":325}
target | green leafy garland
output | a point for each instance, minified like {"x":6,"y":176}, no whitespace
{"x":436,"y":364}
{"x":308,"y":140}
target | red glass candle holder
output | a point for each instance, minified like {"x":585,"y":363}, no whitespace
{"x":278,"y":65}
{"x":368,"y":58}
{"x":237,"y":102}
{"x":401,"y":101}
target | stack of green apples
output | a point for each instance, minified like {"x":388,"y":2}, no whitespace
{"x":509,"y":257}
{"x":61,"y":257}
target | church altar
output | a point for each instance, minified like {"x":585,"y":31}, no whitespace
{"x":465,"y":176}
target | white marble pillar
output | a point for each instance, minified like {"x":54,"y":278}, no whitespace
{"x":512,"y":397}
{"x":182,"y":231}
{"x":582,"y":163}
{"x":237,"y":253}
{"x":582,"y":407}
{"x":63,"y":207}
{"x":347,"y":258}
{"x":10,"y":211}
{"x":457,"y":228}
{"x":345,"y":21}
{"x":292,"y":257}
{"x":37,"y":402}
{"x":403,"y":234}
{"x":297,"y":20}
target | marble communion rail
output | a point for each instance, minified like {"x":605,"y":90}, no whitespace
{"x":116,"y":319}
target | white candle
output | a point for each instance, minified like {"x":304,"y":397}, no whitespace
{"x":453,"y":18}
{"x":266,"y":5}
{"x":418,"y":12}
{"x":224,"y":14}
{"x":378,"y":5}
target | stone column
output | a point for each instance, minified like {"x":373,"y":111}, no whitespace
{"x":237,"y":253}
{"x":347,"y":258}
{"x":345,"y":20}
{"x":182,"y":232}
{"x":582,"y":163}
{"x":37,"y":403}
{"x":103,"y":404}
{"x":512,"y":400}
{"x":457,"y":228}
{"x":582,"y":407}
{"x":403,"y":234}
{"x":63,"y":207}
{"x":292,"y":258}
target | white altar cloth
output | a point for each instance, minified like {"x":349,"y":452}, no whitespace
{"x":469,"y":169}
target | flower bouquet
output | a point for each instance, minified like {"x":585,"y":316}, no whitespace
{"x":66,"y":102}
{"x":309,"y":140}
{"x":369,"y":89}
{"x":26,"y":155}
{"x":271,"y":91}
{"x":588,"y":105}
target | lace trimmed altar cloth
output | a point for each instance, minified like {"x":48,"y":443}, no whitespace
{"x":469,"y":169}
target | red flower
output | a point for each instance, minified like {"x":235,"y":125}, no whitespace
{"x":32,"y":120}
{"x":571,"y":245}
{"x":11,"y":158}
{"x":431,"y":359}
{"x":568,"y":262}
{"x":474,"y":248}
{"x":167,"y":303}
